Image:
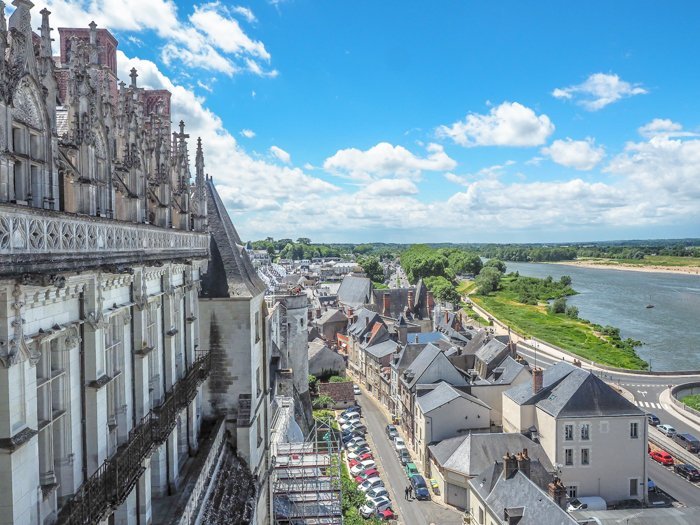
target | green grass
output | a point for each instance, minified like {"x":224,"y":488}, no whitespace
{"x":379,"y":286}
{"x":692,"y":401}
{"x":575,"y":335}
{"x":476,"y":317}
{"x":465,"y":287}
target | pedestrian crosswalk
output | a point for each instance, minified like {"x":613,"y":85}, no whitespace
{"x":651,"y":404}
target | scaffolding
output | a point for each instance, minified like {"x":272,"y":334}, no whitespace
{"x":307,"y":479}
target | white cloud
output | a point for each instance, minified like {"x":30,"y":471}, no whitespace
{"x":280,"y":154}
{"x":664,"y":127}
{"x":210,"y":38}
{"x":245,"y":12}
{"x":599,"y":90}
{"x":385,"y":159}
{"x":578,"y":154}
{"x":391,"y":188}
{"x":509,"y":124}
{"x":248,"y":133}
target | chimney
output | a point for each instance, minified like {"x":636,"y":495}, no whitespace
{"x":387,"y":304}
{"x":557,"y":491}
{"x":510,"y":466}
{"x":403,"y":334}
{"x":447,"y":317}
{"x":536,"y":380}
{"x":318,"y":313}
{"x":366,"y":321}
{"x":310,"y":315}
{"x":350,"y":312}
{"x":411,"y":298}
{"x":524,"y":462}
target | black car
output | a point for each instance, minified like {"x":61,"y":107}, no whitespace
{"x":688,"y":442}
{"x":420,"y":489}
{"x":653,"y":420}
{"x":689,"y":472}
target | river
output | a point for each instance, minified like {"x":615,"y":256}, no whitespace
{"x":670,"y":331}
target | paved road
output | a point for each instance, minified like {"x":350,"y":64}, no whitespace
{"x":391,"y":471}
{"x":646,"y":391}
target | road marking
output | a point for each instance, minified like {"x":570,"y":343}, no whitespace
{"x":665,"y":407}
{"x":649,"y":404}
{"x":643,"y":392}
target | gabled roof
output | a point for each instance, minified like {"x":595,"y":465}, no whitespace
{"x":490,"y":351}
{"x":472,"y":454}
{"x":382,"y":349}
{"x":364,"y":321}
{"x":316,"y":347}
{"x":354,"y":291}
{"x":442,"y":394}
{"x":332,"y":315}
{"x":230,"y":272}
{"x":570,"y":391}
{"x":504,"y":374}
{"x":420,"y":364}
{"x":339,"y":392}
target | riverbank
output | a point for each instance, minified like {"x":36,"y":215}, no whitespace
{"x":611,"y":264}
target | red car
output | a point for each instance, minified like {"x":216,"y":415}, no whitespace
{"x":386,"y":515}
{"x":367,"y":474}
{"x":662,"y":457}
{"x":366,"y":456}
{"x":353,"y":462}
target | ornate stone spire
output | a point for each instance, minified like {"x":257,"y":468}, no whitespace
{"x":200,"y":193}
{"x":4,"y":92}
{"x":134,"y":75}
{"x":45,"y":49}
{"x":93,"y":43}
{"x":22,"y":46}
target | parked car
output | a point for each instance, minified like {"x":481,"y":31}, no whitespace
{"x":347,"y":427}
{"x":411,"y":469}
{"x":369,"y":473}
{"x":359,"y":428}
{"x":379,"y":491}
{"x":688,"y":442}
{"x":354,"y":408}
{"x":386,"y":515}
{"x":399,"y":442}
{"x":420,"y":489}
{"x":689,"y":472}
{"x":362,"y":466}
{"x":357,"y":454}
{"x":371,"y":483}
{"x":651,"y":486}
{"x":356,"y":390}
{"x":355,"y":440}
{"x":346,"y":437}
{"x":668,"y":430}
{"x":662,"y":457}
{"x":391,"y":432}
{"x":349,"y":418}
{"x":653,"y":419}
{"x":373,"y":506}
{"x":404,"y":456}
{"x":401,"y":450}
{"x":587,"y":503}
{"x":354,"y":445}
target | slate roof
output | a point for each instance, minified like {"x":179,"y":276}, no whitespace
{"x":570,"y":391}
{"x":398,"y":301}
{"x":382,"y":349}
{"x":490,"y":351}
{"x":472,"y":454}
{"x":315,"y":347}
{"x":332,"y":315}
{"x":421,"y":363}
{"x":508,"y":370}
{"x":518,"y":491}
{"x":230,"y":272}
{"x":428,"y":337}
{"x":442,"y":394}
{"x":354,"y":291}
{"x":365,"y":319}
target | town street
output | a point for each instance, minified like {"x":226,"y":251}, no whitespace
{"x":391,"y":471}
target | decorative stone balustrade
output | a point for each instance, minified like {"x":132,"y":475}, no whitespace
{"x":36,"y":240}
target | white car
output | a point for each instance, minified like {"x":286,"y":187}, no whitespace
{"x":356,"y":390}
{"x":667,"y":430}
{"x":349,"y":418}
{"x":354,"y":440}
{"x":399,"y":442}
{"x":356,"y":445}
{"x":371,"y":483}
{"x":348,"y":426}
{"x":361,"y":467}
{"x":374,"y":505}
{"x":378,"y":492}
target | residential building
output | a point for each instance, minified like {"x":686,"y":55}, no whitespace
{"x":377,"y":358}
{"x":354,"y":291}
{"x":361,"y":324}
{"x":596,"y":437}
{"x":455,"y":461}
{"x":507,"y":374}
{"x":330,"y":323}
{"x":324,"y":362}
{"x":443,"y":411}
{"x":342,"y":394}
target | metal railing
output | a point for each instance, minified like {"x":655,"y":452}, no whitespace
{"x":109,"y":486}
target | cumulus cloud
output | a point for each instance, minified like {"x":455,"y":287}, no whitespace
{"x":578,"y":154}
{"x":599,"y":90}
{"x":248,"y":133}
{"x":509,"y":124}
{"x":280,"y":154}
{"x":245,"y":12}
{"x":391,"y":188}
{"x":210,"y":38}
{"x":385,"y":159}
{"x":664,"y":127}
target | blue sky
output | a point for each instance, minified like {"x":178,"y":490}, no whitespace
{"x":411,"y":121}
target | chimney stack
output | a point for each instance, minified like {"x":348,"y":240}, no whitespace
{"x":387,"y":304}
{"x":350,"y":312}
{"x":411,"y":299}
{"x":510,"y":466}
{"x":536,"y":380}
{"x":431,"y":302}
{"x":557,"y":491}
{"x":524,"y":462}
{"x":447,"y":317}
{"x":318,"y":313}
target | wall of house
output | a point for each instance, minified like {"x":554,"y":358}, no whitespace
{"x":492,"y":395}
{"x":327,"y":361}
{"x":516,"y":418}
{"x":614,"y":457}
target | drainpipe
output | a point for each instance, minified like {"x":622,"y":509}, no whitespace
{"x":83,"y":403}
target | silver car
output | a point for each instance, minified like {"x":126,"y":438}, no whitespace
{"x":668,"y":430}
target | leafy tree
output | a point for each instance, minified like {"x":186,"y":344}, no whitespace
{"x":558,"y":306}
{"x":572,"y":311}
{"x":372,"y":267}
{"x":313,"y":380}
{"x":339,"y":379}
{"x":496,"y":263}
{"x":565,"y":280}
{"x":323,"y":401}
{"x":488,"y":280}
{"x":443,"y":289}
{"x":303,"y":240}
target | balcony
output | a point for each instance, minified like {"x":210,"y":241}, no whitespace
{"x":107,"y":488}
{"x":37,"y":240}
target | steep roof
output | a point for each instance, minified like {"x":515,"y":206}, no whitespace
{"x":317,"y":346}
{"x":339,"y":392}
{"x":382,"y":349}
{"x":472,"y":454}
{"x":354,"y":291}
{"x":230,"y":272}
{"x":332,"y":315}
{"x":364,"y":322}
{"x":504,"y":374}
{"x":570,"y":391}
{"x":442,"y":394}
{"x":420,"y":364}
{"x":491,"y":351}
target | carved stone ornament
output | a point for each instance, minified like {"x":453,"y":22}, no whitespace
{"x":43,"y":279}
{"x":25,"y":108}
{"x":126,"y":316}
{"x":17,"y":349}
{"x":73,"y":338}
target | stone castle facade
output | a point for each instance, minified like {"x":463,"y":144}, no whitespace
{"x":114,"y":269}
